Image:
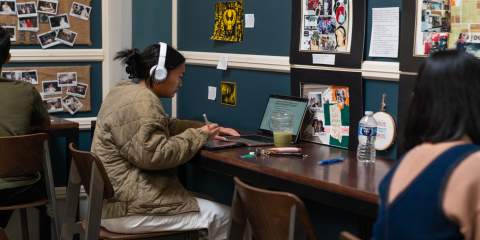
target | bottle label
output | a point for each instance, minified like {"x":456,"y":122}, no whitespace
{"x":367,"y":131}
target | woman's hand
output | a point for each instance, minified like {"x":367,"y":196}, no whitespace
{"x":211,"y":130}
{"x":229,"y":131}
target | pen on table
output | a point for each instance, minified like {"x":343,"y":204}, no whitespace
{"x":330,"y":161}
{"x":206,"y":119}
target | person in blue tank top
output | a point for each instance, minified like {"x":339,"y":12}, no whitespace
{"x":434,"y":191}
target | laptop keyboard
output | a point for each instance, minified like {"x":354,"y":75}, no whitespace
{"x":257,"y":138}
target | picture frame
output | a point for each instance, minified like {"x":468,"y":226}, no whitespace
{"x":430,"y":26}
{"x":340,"y":130}
{"x":228,"y":92}
{"x":345,"y":19}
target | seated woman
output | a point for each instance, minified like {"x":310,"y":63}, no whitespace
{"x":433,"y":193}
{"x":141,"y":146}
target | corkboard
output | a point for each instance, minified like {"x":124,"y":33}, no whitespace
{"x":50,"y":73}
{"x":80,"y":26}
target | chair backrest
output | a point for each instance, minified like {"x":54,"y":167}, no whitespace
{"x":21,"y":155}
{"x":26,"y":155}
{"x":85,"y":162}
{"x":271,"y":214}
{"x":85,"y":170}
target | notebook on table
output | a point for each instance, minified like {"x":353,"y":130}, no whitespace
{"x":264,"y":135}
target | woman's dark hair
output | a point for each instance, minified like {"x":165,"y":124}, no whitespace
{"x":139,"y":63}
{"x":445,"y":102}
{"x":4,"y":45}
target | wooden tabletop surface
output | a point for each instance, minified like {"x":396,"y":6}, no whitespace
{"x":349,"y":178}
{"x":60,"y":123}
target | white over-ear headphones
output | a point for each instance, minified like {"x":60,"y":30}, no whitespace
{"x":159,"y":72}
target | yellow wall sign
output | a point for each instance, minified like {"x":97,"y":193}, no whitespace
{"x":228,"y":21}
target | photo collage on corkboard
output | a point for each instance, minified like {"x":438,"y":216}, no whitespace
{"x":330,"y":107}
{"x":442,"y":24}
{"x":47,"y":22}
{"x":63,"y":89}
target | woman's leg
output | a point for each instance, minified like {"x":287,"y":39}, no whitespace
{"x":212,"y":216}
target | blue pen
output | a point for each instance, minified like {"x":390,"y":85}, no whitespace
{"x":330,"y":161}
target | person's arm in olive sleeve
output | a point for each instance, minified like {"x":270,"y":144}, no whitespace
{"x":40,"y":119}
{"x":177,"y":126}
{"x":151,"y":149}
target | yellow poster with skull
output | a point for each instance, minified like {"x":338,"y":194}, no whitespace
{"x":228,"y":21}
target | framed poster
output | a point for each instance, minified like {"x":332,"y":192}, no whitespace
{"x":435,"y":25}
{"x":335,"y":105}
{"x":331,"y":29}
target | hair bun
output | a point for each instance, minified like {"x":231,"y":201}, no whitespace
{"x":132,"y":58}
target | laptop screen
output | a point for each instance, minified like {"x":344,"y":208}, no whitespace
{"x":294,"y":105}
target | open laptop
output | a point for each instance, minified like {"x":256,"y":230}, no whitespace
{"x":264,"y":136}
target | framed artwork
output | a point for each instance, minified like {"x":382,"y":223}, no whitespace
{"x":328,"y":29}
{"x":228,"y":92}
{"x":435,"y":25}
{"x":406,"y":87}
{"x":335,"y":106}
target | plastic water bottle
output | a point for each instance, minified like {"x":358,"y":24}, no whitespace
{"x":367,"y":132}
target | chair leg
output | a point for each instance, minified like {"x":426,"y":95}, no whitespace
{"x":24,"y":222}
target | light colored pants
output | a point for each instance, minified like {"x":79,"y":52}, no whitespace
{"x":212,"y":216}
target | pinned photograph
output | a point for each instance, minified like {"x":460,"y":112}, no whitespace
{"x":7,"y":7}
{"x":78,"y":91}
{"x":28,"y":24}
{"x":59,"y":22}
{"x":80,"y":11}
{"x":48,"y":6}
{"x":310,"y":22}
{"x":67,"y":79}
{"x":30,"y":76}
{"x":43,"y":18}
{"x":47,"y":39}
{"x":12,"y":31}
{"x":27,"y":9}
{"x":12,"y":75}
{"x":66,"y":37}
{"x":72,"y":104}
{"x":53,"y":104}
{"x":229,"y":93}
{"x":51,"y":87}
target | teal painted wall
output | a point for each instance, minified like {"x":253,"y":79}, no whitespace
{"x":253,"y":87}
{"x":152,"y":23}
{"x":271,"y":36}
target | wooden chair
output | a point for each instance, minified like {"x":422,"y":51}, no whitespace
{"x":344,"y":235}
{"x":87,"y":170}
{"x":271,"y":214}
{"x":26,"y":156}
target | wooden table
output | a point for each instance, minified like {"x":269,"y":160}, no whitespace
{"x":61,"y":128}
{"x":349,"y":185}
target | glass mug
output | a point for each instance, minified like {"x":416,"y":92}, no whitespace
{"x":281,"y":123}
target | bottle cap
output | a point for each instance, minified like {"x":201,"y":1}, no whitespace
{"x":368,"y":113}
